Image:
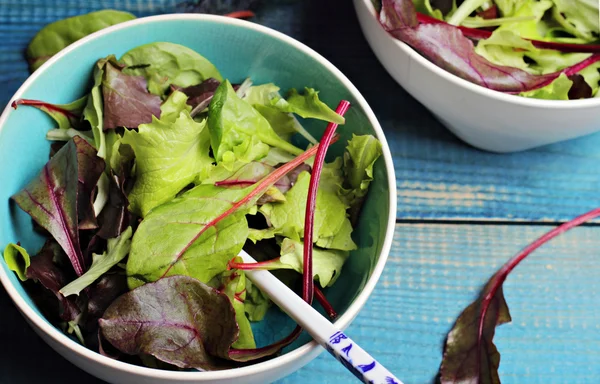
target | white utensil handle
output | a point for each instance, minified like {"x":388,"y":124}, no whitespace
{"x":353,"y":357}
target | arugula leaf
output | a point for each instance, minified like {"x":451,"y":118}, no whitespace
{"x":307,"y":105}
{"x":127,"y":102}
{"x":231,"y":120}
{"x":116,"y":251}
{"x":170,"y":153}
{"x":164,"y":64}
{"x":178,"y":320}
{"x":257,"y":303}
{"x":51,"y":198}
{"x":287,"y":218}
{"x":17,"y":259}
{"x":66,"y":115}
{"x":58,"y":35}
{"x":233,"y":284}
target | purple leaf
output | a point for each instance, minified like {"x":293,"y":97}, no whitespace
{"x":127,"y":102}
{"x":198,"y":93}
{"x":90,"y":167}
{"x":102,"y":294}
{"x":115,"y":217}
{"x":177,"y":319}
{"x":51,"y":198}
{"x":51,"y":277}
{"x":580,"y":88}
{"x":396,"y":14}
{"x":449,"y":49}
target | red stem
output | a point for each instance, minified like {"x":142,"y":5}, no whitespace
{"x":325,"y":303}
{"x":240,"y":14}
{"x":264,"y":265}
{"x":479,"y":34}
{"x":308,"y":283}
{"x":42,"y":104}
{"x":502,"y":274}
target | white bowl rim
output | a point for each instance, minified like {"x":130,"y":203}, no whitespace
{"x":483,"y":91}
{"x":342,"y":322}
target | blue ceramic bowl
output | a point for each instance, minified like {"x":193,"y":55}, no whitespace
{"x":239,"y":49}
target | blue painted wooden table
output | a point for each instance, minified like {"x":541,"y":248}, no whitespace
{"x":461,"y":214}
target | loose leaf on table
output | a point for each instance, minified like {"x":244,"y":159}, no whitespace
{"x":233,"y":284}
{"x":44,"y":270}
{"x":470,"y":355}
{"x":54,"y":37}
{"x":127,"y":102}
{"x":178,"y":320}
{"x":164,"y":64}
{"x":307,"y":105}
{"x":231,"y":120}
{"x":17,"y":259}
{"x":170,"y":153}
{"x":66,"y":115}
{"x":116,"y":251}
{"x":198,"y":232}
{"x":51,"y":198}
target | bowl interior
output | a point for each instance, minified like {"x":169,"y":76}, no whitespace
{"x":238,"y":52}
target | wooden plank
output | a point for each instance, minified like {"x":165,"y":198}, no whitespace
{"x":433,"y":272}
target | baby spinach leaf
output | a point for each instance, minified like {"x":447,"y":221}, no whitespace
{"x":116,"y":251}
{"x":231,"y":120}
{"x":170,"y":153}
{"x":176,"y":238}
{"x":257,"y":303}
{"x":54,"y":37}
{"x":127,"y":102}
{"x":51,"y":198}
{"x":233,"y":284}
{"x":178,"y":320}
{"x":17,"y":259}
{"x":287,"y":218}
{"x":307,"y":105}
{"x":66,"y":115}
{"x":164,"y":64}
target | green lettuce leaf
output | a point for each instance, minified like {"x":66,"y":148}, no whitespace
{"x":179,"y":238}
{"x":557,"y":90}
{"x":58,"y":35}
{"x":287,"y":218}
{"x":307,"y":105}
{"x":233,"y":284}
{"x":170,"y":154}
{"x":424,"y":6}
{"x":257,"y":303}
{"x":327,"y":264}
{"x":579,"y":17}
{"x":17,"y":259}
{"x":165,"y":64}
{"x":232,"y":120}
{"x":116,"y":251}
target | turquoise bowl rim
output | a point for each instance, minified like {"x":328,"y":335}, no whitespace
{"x":342,"y":322}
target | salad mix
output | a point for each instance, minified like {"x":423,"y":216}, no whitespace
{"x":544,"y":49}
{"x":158,"y":178}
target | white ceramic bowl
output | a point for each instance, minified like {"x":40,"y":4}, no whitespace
{"x":484,"y":118}
{"x":269,"y":56}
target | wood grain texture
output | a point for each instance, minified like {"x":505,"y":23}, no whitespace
{"x":434,"y":271}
